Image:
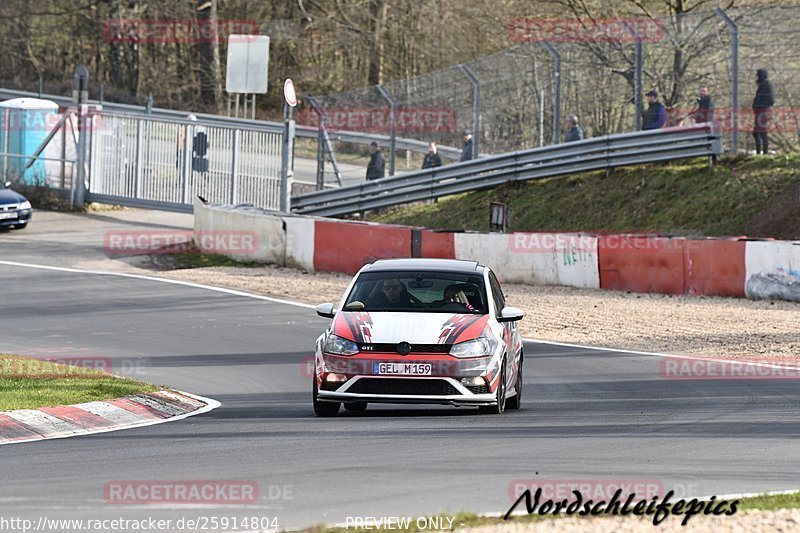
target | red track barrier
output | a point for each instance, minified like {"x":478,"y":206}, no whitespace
{"x":715,"y":267}
{"x":347,"y":246}
{"x":438,"y":245}
{"x":642,"y":264}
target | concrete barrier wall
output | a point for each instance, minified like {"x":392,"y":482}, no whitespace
{"x":636,"y":263}
{"x":535,"y":258}
{"x":264,"y":231}
{"x":773,"y":270}
{"x":299,"y":242}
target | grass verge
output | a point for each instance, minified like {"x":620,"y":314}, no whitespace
{"x":679,"y":197}
{"x":29,"y":383}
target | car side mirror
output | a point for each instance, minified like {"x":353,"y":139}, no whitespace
{"x":7,"y":184}
{"x":510,"y":314}
{"x":326,"y":310}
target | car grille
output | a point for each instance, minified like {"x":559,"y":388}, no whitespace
{"x":9,"y":207}
{"x":394,"y":386}
{"x":478,"y":389}
{"x":415,"y":348}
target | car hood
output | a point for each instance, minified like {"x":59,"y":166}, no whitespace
{"x":414,"y":328}
{"x":7,"y":196}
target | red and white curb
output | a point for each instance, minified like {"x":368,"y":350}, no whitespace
{"x":145,"y":409}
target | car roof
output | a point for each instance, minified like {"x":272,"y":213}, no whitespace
{"x":444,"y":265}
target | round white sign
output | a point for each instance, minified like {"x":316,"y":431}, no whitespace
{"x":289,"y":93}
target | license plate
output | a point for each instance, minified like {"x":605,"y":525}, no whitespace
{"x":403,"y":369}
{"x":12,"y":214}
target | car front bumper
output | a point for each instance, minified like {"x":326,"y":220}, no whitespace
{"x":22,"y":217}
{"x":405,"y":390}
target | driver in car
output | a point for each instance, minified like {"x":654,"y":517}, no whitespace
{"x":394,"y":294}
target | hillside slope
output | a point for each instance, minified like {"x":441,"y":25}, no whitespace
{"x":742,"y":195}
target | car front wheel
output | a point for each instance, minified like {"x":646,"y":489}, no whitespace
{"x":500,"y":394}
{"x":323,"y":408}
{"x":515,"y":402}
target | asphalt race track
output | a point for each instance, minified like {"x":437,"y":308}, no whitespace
{"x":587,"y":414}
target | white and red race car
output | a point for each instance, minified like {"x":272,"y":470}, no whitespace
{"x":422,"y":331}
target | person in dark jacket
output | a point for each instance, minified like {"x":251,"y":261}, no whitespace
{"x":466,"y":150}
{"x":376,"y":168}
{"x":762,"y":111}
{"x":574,"y":131}
{"x":656,"y":115}
{"x":705,"y":107}
{"x":432,"y":158}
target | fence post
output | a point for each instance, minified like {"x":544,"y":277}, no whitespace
{"x":81,"y":95}
{"x":393,"y":140}
{"x":234,"y":166}
{"x":637,"y":76}
{"x":320,"y":155}
{"x":315,"y":105}
{"x":476,"y":108}
{"x":187,"y":162}
{"x":326,"y":145}
{"x":734,"y":30}
{"x":138,"y":177}
{"x":285,"y":147}
{"x":541,"y":117}
{"x":557,"y":104}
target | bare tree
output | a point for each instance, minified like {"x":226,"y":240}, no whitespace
{"x":207,"y":54}
{"x":123,"y":46}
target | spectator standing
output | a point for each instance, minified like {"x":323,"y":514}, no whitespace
{"x":762,"y":111}
{"x":432,"y":158}
{"x":467,"y":149}
{"x":376,"y":169}
{"x":656,"y":115}
{"x":574,"y":131}
{"x":705,"y":107}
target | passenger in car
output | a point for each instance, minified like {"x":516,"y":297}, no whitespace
{"x":455,"y":294}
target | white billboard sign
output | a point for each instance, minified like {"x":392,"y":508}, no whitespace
{"x":248,"y":62}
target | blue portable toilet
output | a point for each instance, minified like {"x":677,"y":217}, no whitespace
{"x":24,"y":125}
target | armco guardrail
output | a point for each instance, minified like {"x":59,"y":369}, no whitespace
{"x":307,"y":132}
{"x":597,"y":153}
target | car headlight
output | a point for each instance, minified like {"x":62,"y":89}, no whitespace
{"x":337,"y":345}
{"x":475,"y":348}
{"x":24,"y":205}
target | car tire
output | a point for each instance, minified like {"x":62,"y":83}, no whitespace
{"x":21,"y":226}
{"x":323,"y":408}
{"x":515,"y":402}
{"x":500,"y":406}
{"x":356,"y":407}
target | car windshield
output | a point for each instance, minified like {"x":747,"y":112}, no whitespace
{"x":418,"y":291}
